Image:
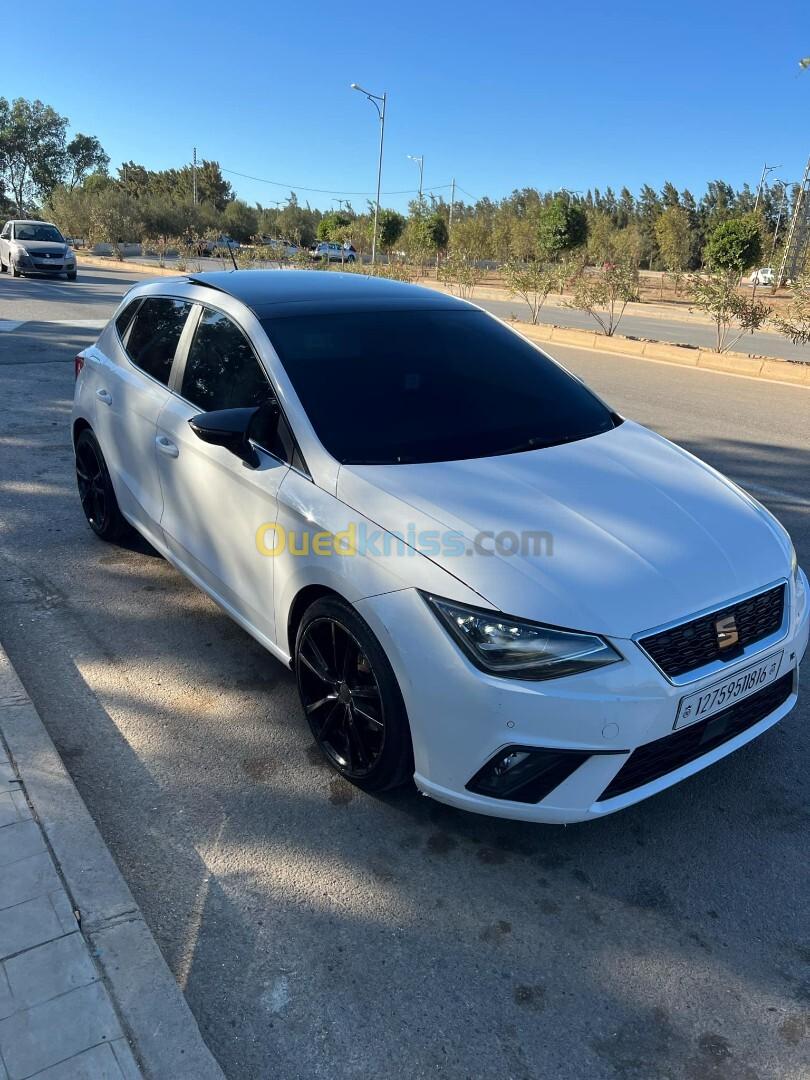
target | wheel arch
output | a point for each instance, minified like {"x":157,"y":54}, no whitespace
{"x":302,"y":600}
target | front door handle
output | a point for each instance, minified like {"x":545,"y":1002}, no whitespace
{"x":167,"y":447}
{"x":105,"y":396}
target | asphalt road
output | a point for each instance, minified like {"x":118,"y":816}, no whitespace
{"x":323,"y":934}
{"x":688,"y":331}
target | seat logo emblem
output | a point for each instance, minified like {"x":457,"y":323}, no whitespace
{"x":726,"y":630}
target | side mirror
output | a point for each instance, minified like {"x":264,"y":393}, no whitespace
{"x":228,"y":428}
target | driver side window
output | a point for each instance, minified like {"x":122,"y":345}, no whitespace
{"x":222,"y":371}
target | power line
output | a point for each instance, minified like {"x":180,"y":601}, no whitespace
{"x":322,"y":191}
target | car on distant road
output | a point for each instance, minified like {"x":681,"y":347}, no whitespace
{"x":333,"y":252}
{"x":35,"y":247}
{"x":483,"y":577}
{"x":279,"y":248}
{"x":218,"y":245}
{"x":766,"y":275}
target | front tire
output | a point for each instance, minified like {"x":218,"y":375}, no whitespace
{"x":14,"y":271}
{"x":72,"y":277}
{"x":351,"y":697}
{"x":96,"y":491}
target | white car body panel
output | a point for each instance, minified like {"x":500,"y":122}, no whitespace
{"x":643,"y":534}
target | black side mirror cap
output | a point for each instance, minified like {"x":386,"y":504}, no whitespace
{"x":229,"y":429}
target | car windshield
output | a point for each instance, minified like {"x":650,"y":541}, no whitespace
{"x":38,"y":232}
{"x":388,"y":387}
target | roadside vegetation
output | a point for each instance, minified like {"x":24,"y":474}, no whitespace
{"x":588,"y":248}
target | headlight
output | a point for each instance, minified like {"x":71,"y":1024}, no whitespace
{"x":69,"y":254}
{"x":517,"y":649}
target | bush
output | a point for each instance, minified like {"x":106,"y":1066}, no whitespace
{"x":717,"y":295}
{"x":532,"y":282}
{"x":605,"y":293}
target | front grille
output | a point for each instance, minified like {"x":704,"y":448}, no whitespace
{"x":664,"y":755}
{"x":693,"y":644}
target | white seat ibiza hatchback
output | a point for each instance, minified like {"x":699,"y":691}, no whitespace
{"x":483,"y":577}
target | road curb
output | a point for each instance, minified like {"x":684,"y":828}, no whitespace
{"x":151,"y":1006}
{"x":767,"y":368}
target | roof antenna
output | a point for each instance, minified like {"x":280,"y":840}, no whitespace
{"x":233,"y":257}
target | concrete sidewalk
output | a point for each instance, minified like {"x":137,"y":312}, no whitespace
{"x":84,"y":991}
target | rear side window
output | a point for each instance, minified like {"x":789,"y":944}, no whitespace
{"x":125,"y":318}
{"x":155,"y":333}
{"x":222,"y":371}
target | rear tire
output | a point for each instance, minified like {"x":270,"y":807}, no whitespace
{"x":96,"y":490}
{"x":351,"y":697}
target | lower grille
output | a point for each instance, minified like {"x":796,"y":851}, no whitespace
{"x":692,"y":644}
{"x":663,"y":756}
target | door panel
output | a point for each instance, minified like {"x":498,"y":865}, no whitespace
{"x":213,"y":506}
{"x":128,"y":401}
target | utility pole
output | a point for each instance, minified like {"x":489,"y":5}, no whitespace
{"x":194,"y":176}
{"x":420,"y":161}
{"x":379,"y":103}
{"x":452,"y":204}
{"x":765,"y":170}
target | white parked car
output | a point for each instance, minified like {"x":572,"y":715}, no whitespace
{"x":483,"y":577}
{"x":333,"y":252}
{"x":35,"y":247}
{"x":764,"y":276}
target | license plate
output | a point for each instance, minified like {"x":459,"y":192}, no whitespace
{"x":713,"y":699}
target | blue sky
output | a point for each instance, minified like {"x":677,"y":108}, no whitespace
{"x":499,"y":95}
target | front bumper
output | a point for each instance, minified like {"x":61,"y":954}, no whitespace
{"x":31,"y":264}
{"x":461,"y":717}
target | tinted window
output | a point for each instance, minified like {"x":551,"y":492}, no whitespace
{"x":123,"y":320}
{"x":406,"y":386}
{"x":222,"y":371}
{"x":155,"y":333}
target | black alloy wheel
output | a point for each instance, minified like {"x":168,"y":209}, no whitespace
{"x":351,"y":698}
{"x":96,"y":491}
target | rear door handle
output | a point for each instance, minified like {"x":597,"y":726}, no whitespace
{"x":167,"y":447}
{"x":105,"y":396}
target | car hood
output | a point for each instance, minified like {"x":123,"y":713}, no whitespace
{"x":638,"y":531}
{"x":42,"y":247}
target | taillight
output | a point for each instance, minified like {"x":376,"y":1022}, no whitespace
{"x":78,"y":364}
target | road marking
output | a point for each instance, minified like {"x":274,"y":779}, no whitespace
{"x":7,"y":325}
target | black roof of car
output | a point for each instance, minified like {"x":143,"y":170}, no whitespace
{"x":276,"y":293}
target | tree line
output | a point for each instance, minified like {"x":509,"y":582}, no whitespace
{"x":44,"y":171}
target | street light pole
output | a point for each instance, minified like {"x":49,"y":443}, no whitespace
{"x":194,"y":175}
{"x":766,"y":168}
{"x":379,"y":102}
{"x":420,"y":161}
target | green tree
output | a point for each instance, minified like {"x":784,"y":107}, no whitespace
{"x":332,"y":226}
{"x":115,"y":218}
{"x":83,"y":154}
{"x":673,"y":236}
{"x":390,"y":227}
{"x":240,"y":221}
{"x":561,"y":226}
{"x":32,"y":149}
{"x":734,"y":245}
